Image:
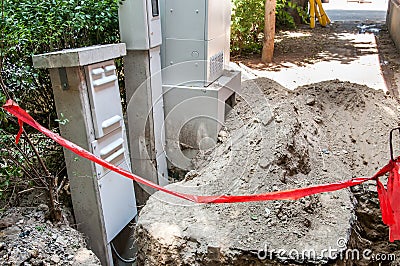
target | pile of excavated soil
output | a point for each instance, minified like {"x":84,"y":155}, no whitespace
{"x":274,"y":139}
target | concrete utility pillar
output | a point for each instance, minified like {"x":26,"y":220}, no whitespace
{"x":140,"y":29}
{"x":145,"y":120}
{"x":86,"y":94}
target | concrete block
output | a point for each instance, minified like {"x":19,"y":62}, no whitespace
{"x":79,"y":56}
{"x":195,"y":115}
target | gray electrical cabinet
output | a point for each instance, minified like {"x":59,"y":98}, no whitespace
{"x":116,"y":192}
{"x":86,"y":92}
{"x":196,"y":36}
{"x":198,"y":87}
{"x":139,"y":24}
{"x":140,"y":29}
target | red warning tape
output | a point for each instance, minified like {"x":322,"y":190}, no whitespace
{"x":389,"y":198}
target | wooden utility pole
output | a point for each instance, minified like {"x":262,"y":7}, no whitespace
{"x":269,"y":31}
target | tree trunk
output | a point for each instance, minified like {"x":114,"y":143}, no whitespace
{"x":269,"y":31}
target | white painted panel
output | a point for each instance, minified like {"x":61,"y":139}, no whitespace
{"x":139,"y":25}
{"x":158,"y":114}
{"x":218,"y":13}
{"x":118,"y":202}
{"x":157,"y":99}
{"x":192,"y":113}
{"x":112,"y":147}
{"x":185,"y":19}
{"x":154,"y":23}
{"x":104,"y":97}
{"x":185,"y":62}
{"x":133,"y":24}
{"x":162,"y":169}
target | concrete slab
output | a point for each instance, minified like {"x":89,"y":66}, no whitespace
{"x":80,"y":56}
{"x":353,"y":10}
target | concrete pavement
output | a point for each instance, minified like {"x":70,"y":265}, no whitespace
{"x":363,"y":10}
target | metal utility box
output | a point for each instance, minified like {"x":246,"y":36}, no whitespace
{"x":198,"y":89}
{"x":140,"y":27}
{"x":139,"y":24}
{"x":196,"y":36}
{"x":86,"y":92}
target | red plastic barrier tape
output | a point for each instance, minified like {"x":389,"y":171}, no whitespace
{"x":389,"y":198}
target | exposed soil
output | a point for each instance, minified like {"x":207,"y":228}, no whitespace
{"x":27,"y":237}
{"x":290,"y":48}
{"x":390,"y":61}
{"x":277,"y":139}
{"x":306,"y":46}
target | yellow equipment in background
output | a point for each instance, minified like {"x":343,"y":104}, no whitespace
{"x":317,"y":11}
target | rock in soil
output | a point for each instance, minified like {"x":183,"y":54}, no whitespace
{"x":27,"y":238}
{"x":274,"y":142}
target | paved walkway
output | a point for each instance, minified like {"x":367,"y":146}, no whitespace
{"x":364,"y":11}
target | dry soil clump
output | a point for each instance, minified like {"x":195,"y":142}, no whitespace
{"x":274,"y":139}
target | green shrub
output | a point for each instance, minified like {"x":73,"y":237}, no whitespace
{"x":32,"y":27}
{"x":2,"y":113}
{"x":248,"y":23}
{"x":36,"y":26}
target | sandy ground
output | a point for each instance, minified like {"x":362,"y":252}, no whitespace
{"x":321,"y":112}
{"x":335,"y":52}
{"x":276,"y":139}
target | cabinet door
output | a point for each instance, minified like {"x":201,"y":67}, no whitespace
{"x":105,"y":100}
{"x":118,"y":202}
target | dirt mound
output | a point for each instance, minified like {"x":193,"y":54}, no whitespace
{"x":274,"y":139}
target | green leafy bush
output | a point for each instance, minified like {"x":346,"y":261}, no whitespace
{"x":36,"y":26}
{"x":2,"y":113}
{"x":32,"y":27}
{"x":285,"y":10}
{"x":248,"y":23}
